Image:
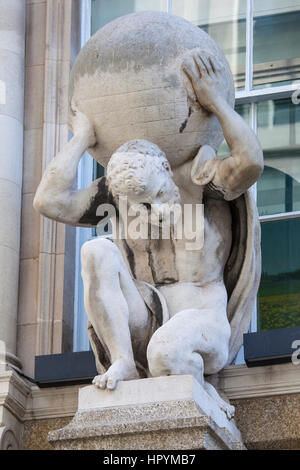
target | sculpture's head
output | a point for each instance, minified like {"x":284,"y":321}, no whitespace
{"x":140,"y":171}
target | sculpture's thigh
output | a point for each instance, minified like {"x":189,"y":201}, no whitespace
{"x":108,"y":287}
{"x":192,"y":342}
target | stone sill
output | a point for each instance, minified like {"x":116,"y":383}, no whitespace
{"x":239,"y":381}
{"x":30,"y":402}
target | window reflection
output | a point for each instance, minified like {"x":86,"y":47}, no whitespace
{"x":223,"y":21}
{"x":279,"y":135}
{"x":104,"y":11}
{"x":276,"y":54}
{"x":279,"y":292}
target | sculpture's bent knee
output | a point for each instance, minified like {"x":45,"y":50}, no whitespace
{"x":161,"y":357}
{"x":95,"y":252}
{"x":168,"y":357}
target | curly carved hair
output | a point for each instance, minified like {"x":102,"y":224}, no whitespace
{"x":130,"y":167}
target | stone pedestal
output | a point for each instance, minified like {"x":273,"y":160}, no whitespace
{"x":158,"y":413}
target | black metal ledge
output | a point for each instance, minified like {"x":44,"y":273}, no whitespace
{"x":270,"y":347}
{"x":65,"y":369}
{"x":260,"y":349}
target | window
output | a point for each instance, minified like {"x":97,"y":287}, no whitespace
{"x":260,"y":39}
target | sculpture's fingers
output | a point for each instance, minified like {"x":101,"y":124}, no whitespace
{"x":187,"y":73}
{"x":189,"y":67}
{"x":212,"y":64}
{"x":96,"y":381}
{"x":206,"y":64}
{"x":200,"y":66}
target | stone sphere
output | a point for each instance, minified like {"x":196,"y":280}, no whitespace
{"x":128,"y":80}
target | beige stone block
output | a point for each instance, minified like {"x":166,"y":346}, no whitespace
{"x":35,"y":33}
{"x":10,"y":213}
{"x":11,"y":132}
{"x":34,"y":97}
{"x":57,"y":336}
{"x":60,"y":238}
{"x":9,"y":280}
{"x":32,"y":161}
{"x":12,"y":74}
{"x":26,"y":349}
{"x":28,"y":291}
{"x":56,"y":90}
{"x":54,"y":137}
{"x":270,"y":423}
{"x":30,"y":228}
{"x":12,"y":26}
{"x":35,"y":432}
{"x":59,"y":288}
{"x":59,"y":43}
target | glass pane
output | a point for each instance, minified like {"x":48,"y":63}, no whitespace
{"x":276,"y":54}
{"x":279,"y":135}
{"x":226,"y":23}
{"x":279,"y":292}
{"x":244,"y":111}
{"x":104,"y":11}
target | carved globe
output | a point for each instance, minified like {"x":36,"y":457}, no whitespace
{"x":128,"y":79}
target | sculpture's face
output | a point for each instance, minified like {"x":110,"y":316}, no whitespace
{"x":159,"y":198}
{"x":144,"y":180}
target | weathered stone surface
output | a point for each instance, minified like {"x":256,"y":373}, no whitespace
{"x":270,"y":423}
{"x":163,"y":413}
{"x":128,"y":80}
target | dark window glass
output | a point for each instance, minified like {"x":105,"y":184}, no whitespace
{"x":279,"y":292}
{"x":104,"y":11}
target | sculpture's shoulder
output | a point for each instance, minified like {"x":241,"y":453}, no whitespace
{"x":92,"y":215}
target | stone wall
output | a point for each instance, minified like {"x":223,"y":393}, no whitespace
{"x":265,"y":423}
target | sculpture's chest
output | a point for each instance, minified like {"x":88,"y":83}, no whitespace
{"x":195,"y":252}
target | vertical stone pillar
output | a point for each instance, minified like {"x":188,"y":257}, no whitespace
{"x":12,"y":47}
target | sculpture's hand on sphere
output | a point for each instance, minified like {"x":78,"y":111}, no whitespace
{"x":82,"y":126}
{"x":205,"y":76}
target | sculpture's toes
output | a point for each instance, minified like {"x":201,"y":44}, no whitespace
{"x":100,"y":381}
{"x":229,"y":410}
{"x":112,"y":382}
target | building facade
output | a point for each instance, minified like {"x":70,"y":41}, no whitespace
{"x":41,"y":296}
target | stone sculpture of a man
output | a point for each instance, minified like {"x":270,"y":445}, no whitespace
{"x":155,"y":307}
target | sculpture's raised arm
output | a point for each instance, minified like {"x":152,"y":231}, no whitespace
{"x":55,"y":196}
{"x":235,"y":174}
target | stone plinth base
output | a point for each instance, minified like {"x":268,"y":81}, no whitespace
{"x":159,"y":413}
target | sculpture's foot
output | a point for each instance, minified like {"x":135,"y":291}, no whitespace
{"x":226,"y":407}
{"x":119,"y":370}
